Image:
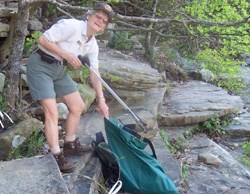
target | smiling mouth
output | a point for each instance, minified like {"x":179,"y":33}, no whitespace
{"x":97,"y":24}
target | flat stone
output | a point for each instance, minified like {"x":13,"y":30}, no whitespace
{"x":35,"y":25}
{"x":197,"y":101}
{"x":209,"y":158}
{"x":38,"y":175}
{"x":229,"y":177}
{"x":7,"y":11}
{"x":4,"y":29}
{"x":128,"y":74}
{"x":240,"y":126}
{"x":169,"y":164}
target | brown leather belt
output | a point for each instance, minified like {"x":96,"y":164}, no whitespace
{"x":48,"y":58}
{"x":40,"y":52}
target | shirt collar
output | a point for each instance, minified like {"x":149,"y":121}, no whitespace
{"x":84,"y":31}
{"x":84,"y":28}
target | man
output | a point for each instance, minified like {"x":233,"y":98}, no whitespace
{"x":48,"y":80}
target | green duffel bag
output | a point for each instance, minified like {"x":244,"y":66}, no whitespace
{"x":140,"y":171}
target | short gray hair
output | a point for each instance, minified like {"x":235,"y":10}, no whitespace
{"x":90,"y":12}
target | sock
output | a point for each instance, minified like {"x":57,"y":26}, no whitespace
{"x":55,"y":150}
{"x":70,"y":138}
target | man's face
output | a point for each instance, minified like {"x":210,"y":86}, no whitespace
{"x":98,"y":21}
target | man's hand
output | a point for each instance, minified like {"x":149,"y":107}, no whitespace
{"x":103,"y":108}
{"x":73,"y":60}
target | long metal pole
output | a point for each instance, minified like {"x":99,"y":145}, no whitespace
{"x":85,"y":61}
{"x":115,"y":95}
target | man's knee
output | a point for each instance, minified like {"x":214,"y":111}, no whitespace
{"x":77,"y":108}
{"x":51,"y":116}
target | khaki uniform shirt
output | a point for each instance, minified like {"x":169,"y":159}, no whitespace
{"x":70,"y":35}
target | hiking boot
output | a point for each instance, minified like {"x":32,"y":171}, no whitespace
{"x":75,"y":148}
{"x":64,"y":165}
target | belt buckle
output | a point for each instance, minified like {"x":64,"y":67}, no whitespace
{"x":60,"y":62}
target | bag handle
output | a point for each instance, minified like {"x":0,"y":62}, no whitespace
{"x":116,"y":187}
{"x":99,"y":138}
{"x":129,"y":128}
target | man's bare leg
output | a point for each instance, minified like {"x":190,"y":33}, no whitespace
{"x":75,"y":106}
{"x":51,"y":124}
{"x":51,"y":133}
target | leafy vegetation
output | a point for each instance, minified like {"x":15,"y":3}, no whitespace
{"x":112,"y":78}
{"x":31,"y":42}
{"x":3,"y":103}
{"x":84,"y":74}
{"x":172,"y":148}
{"x":246,"y":158}
{"x":30,"y":147}
{"x":50,"y":10}
{"x":212,"y":127}
{"x":212,"y":32}
{"x":220,"y":46}
{"x":246,"y":161}
{"x":226,"y":71}
{"x":184,"y":172}
{"x":120,"y":41}
{"x":221,"y":25}
{"x":168,"y":88}
{"x":246,"y":146}
{"x":174,"y":145}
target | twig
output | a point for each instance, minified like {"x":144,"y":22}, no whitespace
{"x":64,"y":12}
{"x":87,"y":177}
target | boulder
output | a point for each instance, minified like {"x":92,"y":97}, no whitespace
{"x":125,"y":73}
{"x":22,"y":129}
{"x":4,"y":29}
{"x":197,"y":101}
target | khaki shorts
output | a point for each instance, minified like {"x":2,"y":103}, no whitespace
{"x":48,"y":81}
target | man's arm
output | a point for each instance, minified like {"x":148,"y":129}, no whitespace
{"x":52,"y":47}
{"x":97,"y":85}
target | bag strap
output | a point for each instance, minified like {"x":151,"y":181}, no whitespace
{"x":99,"y":138}
{"x":118,"y":184}
{"x":129,"y":128}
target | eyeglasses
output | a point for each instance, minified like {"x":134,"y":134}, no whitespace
{"x":103,"y":19}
